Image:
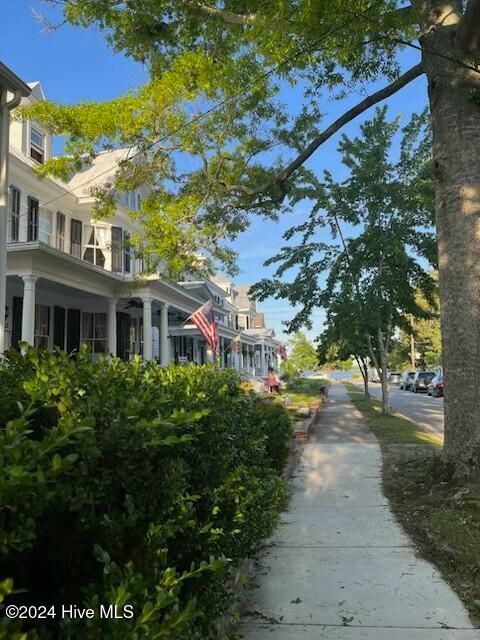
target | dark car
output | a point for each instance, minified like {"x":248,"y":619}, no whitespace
{"x":421,"y":381}
{"x":436,"y":386}
{"x":406,"y":379}
{"x":395,"y":377}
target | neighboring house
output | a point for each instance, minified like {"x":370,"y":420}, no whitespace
{"x":73,"y":280}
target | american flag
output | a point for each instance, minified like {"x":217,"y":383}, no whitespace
{"x":204,"y":319}
{"x":236,"y":345}
{"x":281,"y":351}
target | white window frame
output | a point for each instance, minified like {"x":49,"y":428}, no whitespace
{"x":38,"y":148}
{"x":98,"y":243}
{"x":94,"y":340}
{"x":42,"y":331}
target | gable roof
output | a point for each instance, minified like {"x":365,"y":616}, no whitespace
{"x":100,"y":172}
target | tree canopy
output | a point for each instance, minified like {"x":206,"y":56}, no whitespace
{"x":367,"y":280}
{"x":210,"y":133}
{"x":228,"y":62}
{"x":303,"y":355}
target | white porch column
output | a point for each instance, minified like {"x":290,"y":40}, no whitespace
{"x":164,"y":339}
{"x":147,"y":328}
{"x":6,"y":105}
{"x":263,"y":361}
{"x":28,"y":310}
{"x":112,"y":327}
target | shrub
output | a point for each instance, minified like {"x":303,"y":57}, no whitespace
{"x":124,"y":483}
{"x":277,"y":427}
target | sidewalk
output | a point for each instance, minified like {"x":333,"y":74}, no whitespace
{"x":339,"y":567}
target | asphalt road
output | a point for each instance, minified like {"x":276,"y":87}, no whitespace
{"x":426,"y":411}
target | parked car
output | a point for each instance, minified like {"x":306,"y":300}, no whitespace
{"x":421,"y":380}
{"x":436,"y":386}
{"x":406,"y":379}
{"x":395,"y":377}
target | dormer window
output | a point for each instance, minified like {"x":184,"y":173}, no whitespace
{"x":37,"y":145}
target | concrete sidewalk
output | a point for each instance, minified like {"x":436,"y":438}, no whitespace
{"x":339,"y":567}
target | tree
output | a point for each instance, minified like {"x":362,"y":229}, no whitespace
{"x":303,"y":355}
{"x":214,"y":50}
{"x":373,"y":275}
{"x":344,"y":337}
{"x":426,"y":333}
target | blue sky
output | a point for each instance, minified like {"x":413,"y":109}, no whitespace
{"x":75,"y":64}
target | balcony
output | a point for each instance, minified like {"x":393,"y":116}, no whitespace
{"x":100,"y":245}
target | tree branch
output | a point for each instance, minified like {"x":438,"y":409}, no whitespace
{"x":227,"y":16}
{"x":349,"y":115}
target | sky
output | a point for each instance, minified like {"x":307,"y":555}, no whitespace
{"x":76,"y":64}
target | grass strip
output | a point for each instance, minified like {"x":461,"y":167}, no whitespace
{"x":392,"y":429}
{"x":441,"y":514}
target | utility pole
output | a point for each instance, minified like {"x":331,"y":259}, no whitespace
{"x":412,"y":345}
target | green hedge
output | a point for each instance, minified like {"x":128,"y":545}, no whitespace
{"x":131,"y":484}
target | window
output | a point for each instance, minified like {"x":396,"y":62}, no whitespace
{"x":37,"y":145}
{"x":127,"y":255}
{"x":76,"y":238}
{"x":117,"y":249}
{"x":94,"y":331}
{"x":95,"y":245}
{"x":139,"y":201}
{"x":45,"y":226}
{"x":132,"y":200}
{"x":60,"y":236}
{"x":14,"y":214}
{"x":42,"y":326}
{"x":32,"y":229}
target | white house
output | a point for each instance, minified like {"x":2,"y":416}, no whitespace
{"x":72,"y":279}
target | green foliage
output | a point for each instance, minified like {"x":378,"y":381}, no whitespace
{"x":391,"y":429}
{"x":124,"y":483}
{"x":207,"y":174}
{"x":288,"y":371}
{"x":302,"y":355}
{"x":366,"y":280}
{"x":278,"y":430}
{"x":308,"y":386}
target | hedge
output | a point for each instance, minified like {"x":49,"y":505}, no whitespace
{"x":125,"y":483}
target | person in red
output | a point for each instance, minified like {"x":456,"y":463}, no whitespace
{"x":273,"y":382}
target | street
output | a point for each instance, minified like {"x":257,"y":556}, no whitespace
{"x":426,"y":411}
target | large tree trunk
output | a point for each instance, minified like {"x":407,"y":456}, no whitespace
{"x":456,"y":159}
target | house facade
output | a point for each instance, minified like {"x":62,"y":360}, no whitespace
{"x":73,"y":280}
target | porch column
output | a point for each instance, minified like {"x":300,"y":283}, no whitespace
{"x":263,"y":359}
{"x":147,"y":328}
{"x":28,"y":310}
{"x":112,"y":327}
{"x":164,"y":340}
{"x":6,"y":105}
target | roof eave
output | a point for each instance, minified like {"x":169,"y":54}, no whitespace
{"x":10,"y":81}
